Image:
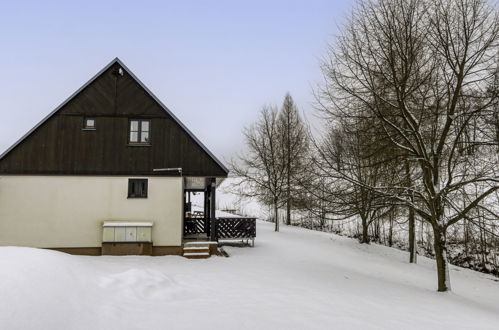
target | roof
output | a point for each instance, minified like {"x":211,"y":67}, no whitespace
{"x":117,"y":60}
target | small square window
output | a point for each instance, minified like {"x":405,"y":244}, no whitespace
{"x":89,"y":123}
{"x":137,"y":188}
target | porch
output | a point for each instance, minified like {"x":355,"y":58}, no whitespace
{"x":203,"y":224}
{"x":219,"y":228}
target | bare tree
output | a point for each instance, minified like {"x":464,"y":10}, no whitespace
{"x":295,"y":144}
{"x":346,"y":157}
{"x":262,"y":169}
{"x":423,"y":68}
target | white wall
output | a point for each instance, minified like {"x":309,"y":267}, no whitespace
{"x":68,"y":211}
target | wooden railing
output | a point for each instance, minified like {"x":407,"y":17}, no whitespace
{"x":225,"y":228}
{"x":194,"y":226}
{"x":235,"y":228}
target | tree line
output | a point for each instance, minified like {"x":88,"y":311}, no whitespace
{"x":410,"y":134}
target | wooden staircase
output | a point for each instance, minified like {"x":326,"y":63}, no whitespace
{"x":197,"y":250}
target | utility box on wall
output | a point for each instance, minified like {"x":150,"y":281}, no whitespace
{"x":123,"y":237}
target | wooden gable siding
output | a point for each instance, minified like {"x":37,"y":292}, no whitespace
{"x":60,"y":146}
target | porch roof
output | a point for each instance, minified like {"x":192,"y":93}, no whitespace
{"x":199,"y":182}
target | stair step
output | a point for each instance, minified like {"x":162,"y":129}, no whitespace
{"x":197,"y":248}
{"x":199,"y":243}
{"x":190,"y":254}
{"x":197,"y":255}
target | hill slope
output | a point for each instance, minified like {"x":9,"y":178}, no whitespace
{"x":295,"y":279}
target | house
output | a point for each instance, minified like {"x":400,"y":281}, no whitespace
{"x":109,"y":171}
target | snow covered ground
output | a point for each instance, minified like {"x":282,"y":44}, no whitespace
{"x":295,"y":279}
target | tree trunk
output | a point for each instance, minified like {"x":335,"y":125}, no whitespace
{"x":412,"y":224}
{"x":288,"y":173}
{"x":288,"y":204}
{"x":390,"y":231}
{"x":483,"y":241}
{"x":440,"y":246}
{"x":276,"y":218}
{"x":422,"y":235}
{"x":365,"y":232}
{"x":413,"y":252}
{"x":466,"y":238}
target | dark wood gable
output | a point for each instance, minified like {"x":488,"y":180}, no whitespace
{"x":60,"y":145}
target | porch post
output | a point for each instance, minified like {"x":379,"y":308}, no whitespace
{"x":206,"y":211}
{"x":213,"y":218}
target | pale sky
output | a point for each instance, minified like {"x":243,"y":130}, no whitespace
{"x":213,"y":63}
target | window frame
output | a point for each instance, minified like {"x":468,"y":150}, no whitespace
{"x":139,"y":132}
{"x":89,"y":128}
{"x":144,"y":193}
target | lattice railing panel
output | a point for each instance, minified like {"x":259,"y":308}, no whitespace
{"x":236,"y":228}
{"x":194,"y":226}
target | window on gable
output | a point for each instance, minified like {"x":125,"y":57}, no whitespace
{"x":140,"y":130}
{"x":137,"y":188}
{"x":89,"y":123}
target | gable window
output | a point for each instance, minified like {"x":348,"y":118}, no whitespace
{"x":140,"y":130}
{"x":137,"y":188}
{"x":89,"y":123}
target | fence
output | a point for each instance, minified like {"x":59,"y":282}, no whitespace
{"x":226,"y":228}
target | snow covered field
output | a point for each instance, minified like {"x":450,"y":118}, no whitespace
{"x":295,"y":279}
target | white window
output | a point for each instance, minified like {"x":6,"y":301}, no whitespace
{"x":89,"y":123}
{"x":140,"y":131}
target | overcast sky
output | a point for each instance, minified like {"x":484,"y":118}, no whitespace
{"x":213,"y":63}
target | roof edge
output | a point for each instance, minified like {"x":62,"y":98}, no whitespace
{"x":165,"y":108}
{"x":57,"y":109}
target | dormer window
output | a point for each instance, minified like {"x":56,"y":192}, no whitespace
{"x":140,"y":130}
{"x":89,"y":124}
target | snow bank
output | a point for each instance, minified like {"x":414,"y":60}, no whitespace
{"x":295,"y":279}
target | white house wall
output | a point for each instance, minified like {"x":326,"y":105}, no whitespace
{"x":68,"y":211}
